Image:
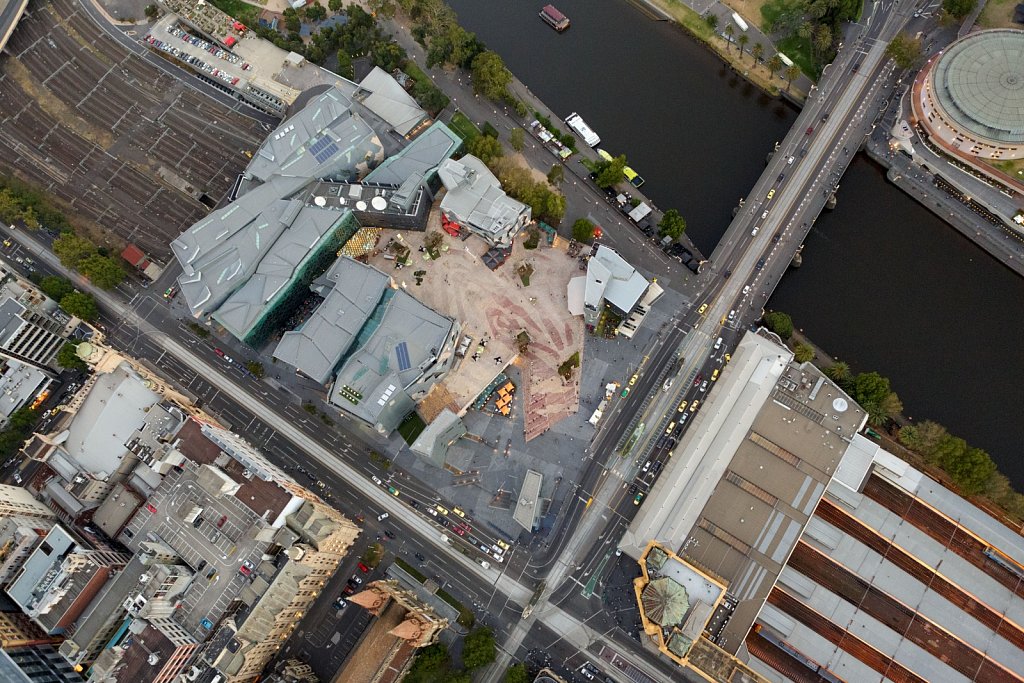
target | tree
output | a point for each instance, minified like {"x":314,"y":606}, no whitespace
{"x":335,"y":5}
{"x":792,"y":71}
{"x":949,"y":449}
{"x":478,"y":648}
{"x":151,"y":12}
{"x":672,"y":224}
{"x":431,"y":662}
{"x":803,"y":353}
{"x":68,"y":358}
{"x":730,"y":31}
{"x":80,"y":305}
{"x":822,"y":39}
{"x":583,"y":230}
{"x":923,"y":438}
{"x":742,"y":41}
{"x":871,"y":391}
{"x":971,"y":471}
{"x":485,"y":148}
{"x":388,"y":55}
{"x":384,"y":9}
{"x":556,"y":175}
{"x":904,"y":50}
{"x":712,"y":21}
{"x":291,"y":20}
{"x":780,"y":323}
{"x":56,"y":287}
{"x":610,"y":172}
{"x":838,"y":372}
{"x":890,"y":407}
{"x":256,"y":368}
{"x":490,"y":76}
{"x":316,"y":12}
{"x":517,"y":672}
{"x":774,"y":64}
{"x":72,"y":249}
{"x":959,"y":8}
{"x":757,"y":51}
{"x":102,"y":271}
{"x":515,"y":139}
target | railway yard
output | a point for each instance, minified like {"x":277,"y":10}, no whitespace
{"x":122,"y":143}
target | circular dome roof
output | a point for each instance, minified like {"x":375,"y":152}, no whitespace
{"x":979,"y":82}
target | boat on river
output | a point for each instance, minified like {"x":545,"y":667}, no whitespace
{"x":553,"y":18}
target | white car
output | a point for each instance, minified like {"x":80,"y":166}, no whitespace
{"x":647,"y":466}
{"x":377,"y":481}
{"x":718,"y":343}
{"x":703,"y":386}
{"x":746,"y":290}
{"x":732,"y":315}
{"x":498,"y":557}
{"x":432,"y":511}
{"x":754,"y":231}
{"x":764,"y":215}
{"x":382,"y":516}
{"x":790,"y":160}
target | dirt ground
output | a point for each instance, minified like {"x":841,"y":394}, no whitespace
{"x":495,"y":306}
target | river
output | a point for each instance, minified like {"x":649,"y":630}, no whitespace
{"x":885,"y":285}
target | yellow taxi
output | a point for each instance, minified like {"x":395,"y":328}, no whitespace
{"x":459,"y":512}
{"x":702,"y":309}
{"x":682,"y":406}
{"x":671,"y":426}
{"x":632,"y":380}
{"x":502,"y":544}
{"x":771,"y":193}
{"x":714,"y":375}
{"x":442,"y":509}
{"x":693,"y":406}
{"x":727,"y":357}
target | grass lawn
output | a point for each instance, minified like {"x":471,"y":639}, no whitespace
{"x":243,"y":11}
{"x":750,"y":10}
{"x":799,"y":50}
{"x":998,"y":14}
{"x":463,"y":127}
{"x":1011,"y":167}
{"x":411,"y":427}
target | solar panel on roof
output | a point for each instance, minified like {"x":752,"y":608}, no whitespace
{"x":402,"y":351}
{"x":326,"y":153}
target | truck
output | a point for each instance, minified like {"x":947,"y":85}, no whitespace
{"x":738,"y":20}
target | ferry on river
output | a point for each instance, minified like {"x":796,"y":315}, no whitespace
{"x":554,"y":18}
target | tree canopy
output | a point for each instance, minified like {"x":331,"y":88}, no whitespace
{"x":516,"y":139}
{"x":81,"y":305}
{"x":556,"y":175}
{"x":68,"y":358}
{"x":478,"y":648}
{"x":780,"y":323}
{"x":72,"y":249}
{"x":56,"y":287}
{"x":491,"y":77}
{"x":583,"y":230}
{"x":904,"y":50}
{"x":803,"y":353}
{"x":546,"y":204}
{"x":610,"y":172}
{"x":102,"y":271}
{"x":517,"y":674}
{"x":485,"y":148}
{"x":672,"y":224}
{"x":959,"y":8}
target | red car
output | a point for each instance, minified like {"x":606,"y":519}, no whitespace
{"x":810,"y":130}
{"x":221,"y":521}
{"x":698,"y":380}
{"x":459,"y":530}
{"x":151,"y":508}
{"x":363,"y":568}
{"x":219,"y":352}
{"x":245,"y":570}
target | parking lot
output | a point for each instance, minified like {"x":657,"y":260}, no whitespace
{"x":129,"y":147}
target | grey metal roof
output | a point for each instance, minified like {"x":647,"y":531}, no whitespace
{"x":352,"y":291}
{"x":476,"y":200}
{"x":324,"y":138}
{"x":423,"y":154}
{"x":612,"y":279}
{"x":28,"y":585}
{"x":380,"y":93}
{"x":980,"y":83}
{"x":433,"y":442}
{"x":401,"y":335}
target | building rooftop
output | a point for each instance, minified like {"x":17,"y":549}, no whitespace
{"x":978,"y":80}
{"x":610,"y":278}
{"x":115,"y":407}
{"x":380,"y":93}
{"x":475,"y":197}
{"x":419,"y":158}
{"x":19,"y":384}
{"x":528,"y":502}
{"x":400,"y":338}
